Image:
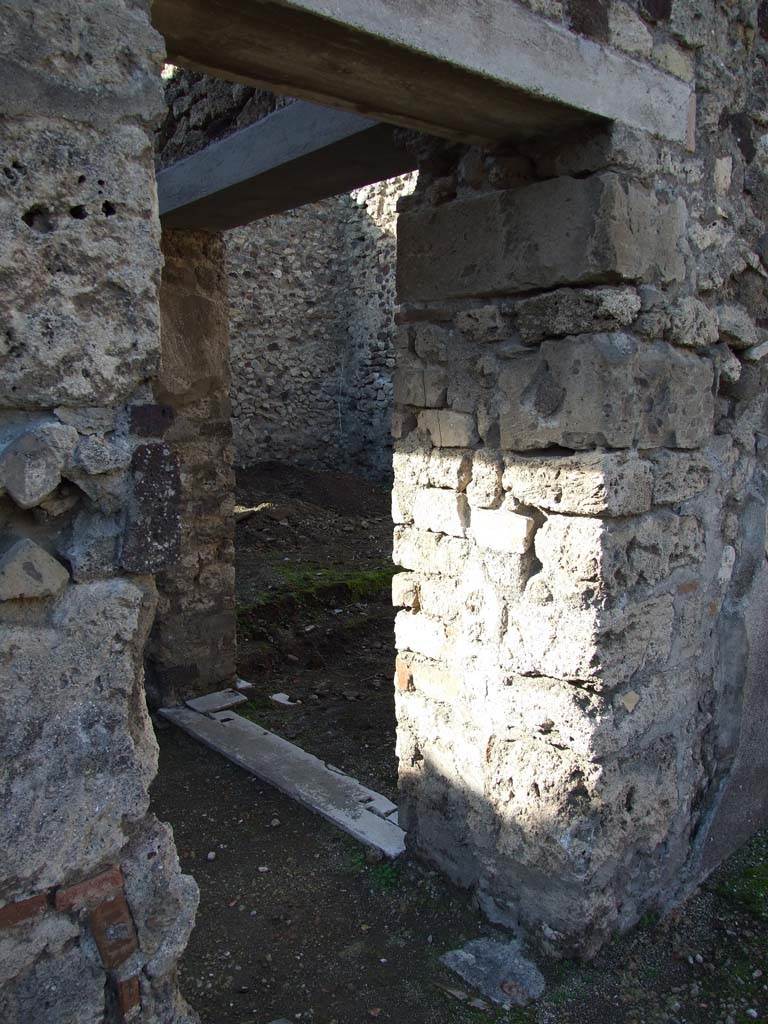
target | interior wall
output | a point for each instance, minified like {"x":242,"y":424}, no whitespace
{"x":312,"y":299}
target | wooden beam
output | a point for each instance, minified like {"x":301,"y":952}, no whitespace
{"x":484,"y":71}
{"x":299,"y":154}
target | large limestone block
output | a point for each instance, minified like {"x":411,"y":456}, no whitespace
{"x":28,"y":571}
{"x":608,"y":558}
{"x":78,"y":750}
{"x":592,"y":483}
{"x":604,"y":647}
{"x":564,"y":231}
{"x":594,"y":725}
{"x":418,"y":633}
{"x":607,"y":390}
{"x":501,"y":530}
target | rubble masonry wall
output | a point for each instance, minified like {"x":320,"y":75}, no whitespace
{"x":94,"y":911}
{"x":580,"y":497}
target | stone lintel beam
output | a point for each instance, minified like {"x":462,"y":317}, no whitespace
{"x":480,"y":72}
{"x":299,"y":154}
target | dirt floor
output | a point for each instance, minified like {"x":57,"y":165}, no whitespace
{"x":315,"y":618}
{"x":295,"y":922}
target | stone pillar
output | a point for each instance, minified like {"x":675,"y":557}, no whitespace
{"x":94,"y":911}
{"x":579,"y":503}
{"x":193,"y":643}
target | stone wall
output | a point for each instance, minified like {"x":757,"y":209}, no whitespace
{"x":93,"y":908}
{"x":311,"y":299}
{"x":580,"y":497}
{"x":193,"y":644}
{"x":312,"y":330}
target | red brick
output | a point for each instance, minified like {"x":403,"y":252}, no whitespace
{"x":128,"y":997}
{"x":23,"y":910}
{"x":92,"y":891}
{"x":403,"y":675}
{"x":113,"y":931}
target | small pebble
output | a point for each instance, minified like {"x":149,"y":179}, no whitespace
{"x":211,"y":855}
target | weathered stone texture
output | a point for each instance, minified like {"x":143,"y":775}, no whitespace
{"x":192,"y":648}
{"x":79,"y":337}
{"x":575,"y":231}
{"x":311,"y":295}
{"x":580,"y":635}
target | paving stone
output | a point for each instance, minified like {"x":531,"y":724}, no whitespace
{"x":498,"y":970}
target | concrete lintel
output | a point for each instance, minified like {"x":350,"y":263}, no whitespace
{"x":479,"y":72}
{"x":299,"y":154}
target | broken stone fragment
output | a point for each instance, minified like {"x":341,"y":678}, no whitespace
{"x":31,"y":466}
{"x":498,"y":970}
{"x":692,"y":324}
{"x":27,"y":571}
{"x":95,"y":456}
{"x":737,"y":327}
{"x":575,"y":311}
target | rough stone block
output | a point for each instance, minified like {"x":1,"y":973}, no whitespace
{"x":162,"y":900}
{"x":449,"y":468}
{"x":91,"y":546}
{"x":448,"y":429}
{"x":603,"y":647}
{"x":482,"y":323}
{"x":593,"y":483}
{"x":31,"y":466}
{"x":428,"y":552}
{"x":95,"y":456}
{"x":28,"y":571}
{"x":678,"y":476}
{"x":60,"y":988}
{"x":441,"y":511}
{"x":575,"y":311}
{"x":417,"y":633}
{"x":485,"y":488}
{"x":607,"y":390}
{"x":435,"y":680}
{"x":559,"y":232}
{"x":73,"y":340}
{"x":501,"y":530}
{"x":405,"y":590}
{"x":737,"y":327}
{"x":608,"y":558}
{"x":84,"y":746}
{"x":152,"y":536}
